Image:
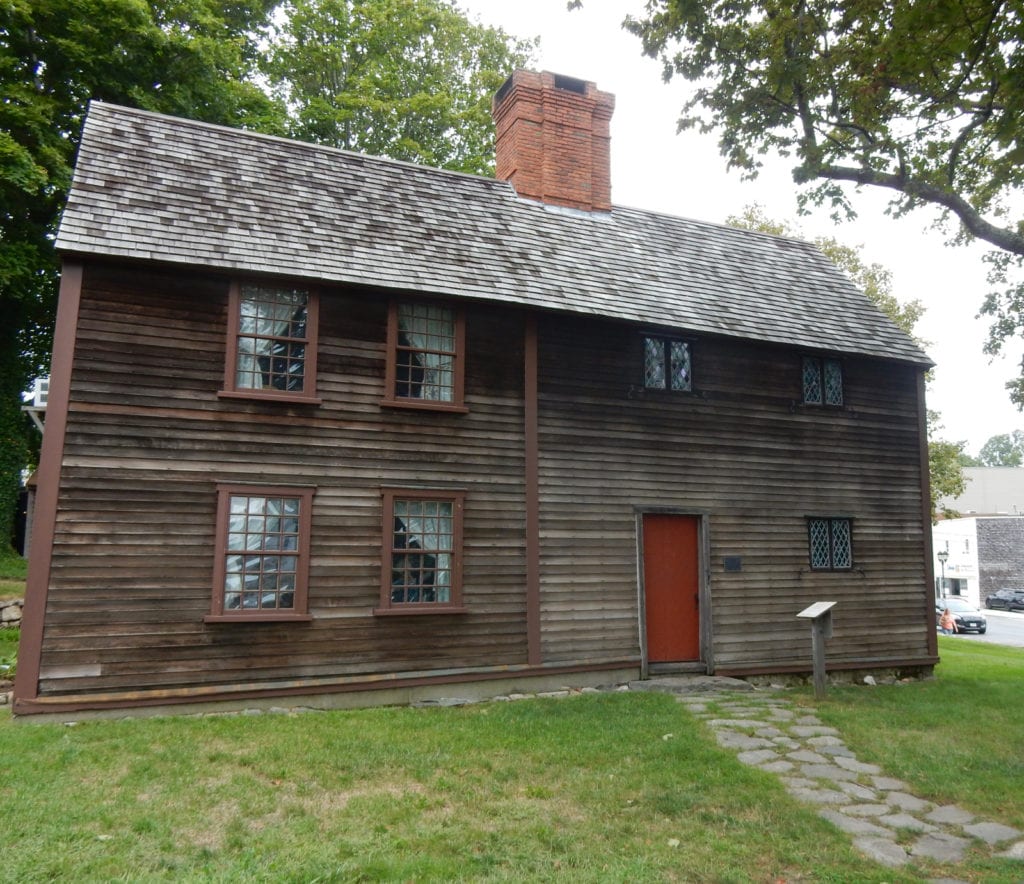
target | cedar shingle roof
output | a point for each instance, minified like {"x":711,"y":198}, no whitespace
{"x":161,"y":188}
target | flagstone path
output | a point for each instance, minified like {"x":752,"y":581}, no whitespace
{"x":878,"y":812}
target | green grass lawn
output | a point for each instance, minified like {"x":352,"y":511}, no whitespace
{"x":12,"y":575}
{"x":605,"y":787}
{"x":959,"y":738}
{"x":8,"y":652}
{"x":12,"y":586}
{"x":613,"y":787}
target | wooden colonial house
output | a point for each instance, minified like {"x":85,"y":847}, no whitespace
{"x":337,"y":429}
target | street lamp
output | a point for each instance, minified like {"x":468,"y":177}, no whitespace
{"x":942,"y":556}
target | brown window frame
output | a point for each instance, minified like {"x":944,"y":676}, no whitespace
{"x":300,"y":600}
{"x":391,"y":399}
{"x":231,"y":389}
{"x":454,"y":605}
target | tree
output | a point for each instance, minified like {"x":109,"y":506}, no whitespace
{"x":1005,"y":450}
{"x":945,"y":470}
{"x":408,"y":79}
{"x":190,"y":57}
{"x":922,"y":100}
{"x":944,"y":464}
{"x":411,"y":79}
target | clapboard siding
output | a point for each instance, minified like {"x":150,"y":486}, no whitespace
{"x":744,"y":450}
{"x":148,"y":439}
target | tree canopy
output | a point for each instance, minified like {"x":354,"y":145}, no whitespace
{"x":191,"y":57}
{"x":407,"y":79}
{"x":945,"y":466}
{"x":1004,"y":450}
{"x":410,"y":79}
{"x":922,"y":100}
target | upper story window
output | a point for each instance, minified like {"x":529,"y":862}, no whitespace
{"x":422,"y":564}
{"x":667,"y":364}
{"x":831,"y":544}
{"x":262,"y":563}
{"x":823,"y":381}
{"x":271,"y":342}
{"x":426,"y":347}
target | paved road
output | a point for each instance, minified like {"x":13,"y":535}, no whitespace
{"x":1004,"y":628}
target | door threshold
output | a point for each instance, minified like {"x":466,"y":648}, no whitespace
{"x":674,"y":668}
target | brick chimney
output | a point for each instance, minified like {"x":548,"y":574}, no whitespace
{"x":553,"y":141}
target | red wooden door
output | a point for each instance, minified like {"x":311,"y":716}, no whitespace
{"x":671,"y":588}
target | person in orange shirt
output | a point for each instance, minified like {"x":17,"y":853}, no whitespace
{"x":947,"y":623}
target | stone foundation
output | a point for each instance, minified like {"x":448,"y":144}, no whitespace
{"x":10,"y":618}
{"x":10,"y":612}
{"x":903,"y":674}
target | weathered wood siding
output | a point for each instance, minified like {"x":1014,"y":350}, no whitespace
{"x":745,"y":451}
{"x":148,"y":439}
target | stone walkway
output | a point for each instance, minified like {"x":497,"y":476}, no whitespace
{"x":878,"y":812}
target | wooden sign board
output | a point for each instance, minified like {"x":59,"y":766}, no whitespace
{"x":816,"y":610}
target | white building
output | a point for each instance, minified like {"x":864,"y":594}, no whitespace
{"x":976,"y":555}
{"x":983,"y":550}
{"x":990,"y":491}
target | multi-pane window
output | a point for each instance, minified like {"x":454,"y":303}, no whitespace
{"x":823,"y":381}
{"x":262,"y":552}
{"x":272,"y":341}
{"x":425,"y":356}
{"x":422,"y":550}
{"x":667,"y":364}
{"x":831,"y":546}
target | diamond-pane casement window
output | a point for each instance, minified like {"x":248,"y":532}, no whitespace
{"x":263,"y":552}
{"x":423,"y":548}
{"x":426,"y":343}
{"x":667,"y":364}
{"x":271,"y":342}
{"x":822,"y":381}
{"x":833,"y":373}
{"x":812,"y":381}
{"x":831,"y":547}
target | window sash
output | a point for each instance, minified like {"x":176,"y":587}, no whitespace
{"x":272,"y":342}
{"x":425,"y":361}
{"x":822,"y":381}
{"x":263,"y":540}
{"x":425,"y":353}
{"x":667,"y":364}
{"x":833,"y":381}
{"x":830,"y":543}
{"x":422,"y":550}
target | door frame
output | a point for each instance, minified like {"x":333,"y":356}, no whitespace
{"x":706,"y":659}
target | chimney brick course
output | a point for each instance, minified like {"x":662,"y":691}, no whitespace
{"x":553,"y":141}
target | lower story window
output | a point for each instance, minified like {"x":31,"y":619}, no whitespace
{"x":262,"y":552}
{"x":831,"y":545}
{"x":422,"y":550}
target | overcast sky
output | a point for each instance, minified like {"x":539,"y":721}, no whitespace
{"x":654,"y":168}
